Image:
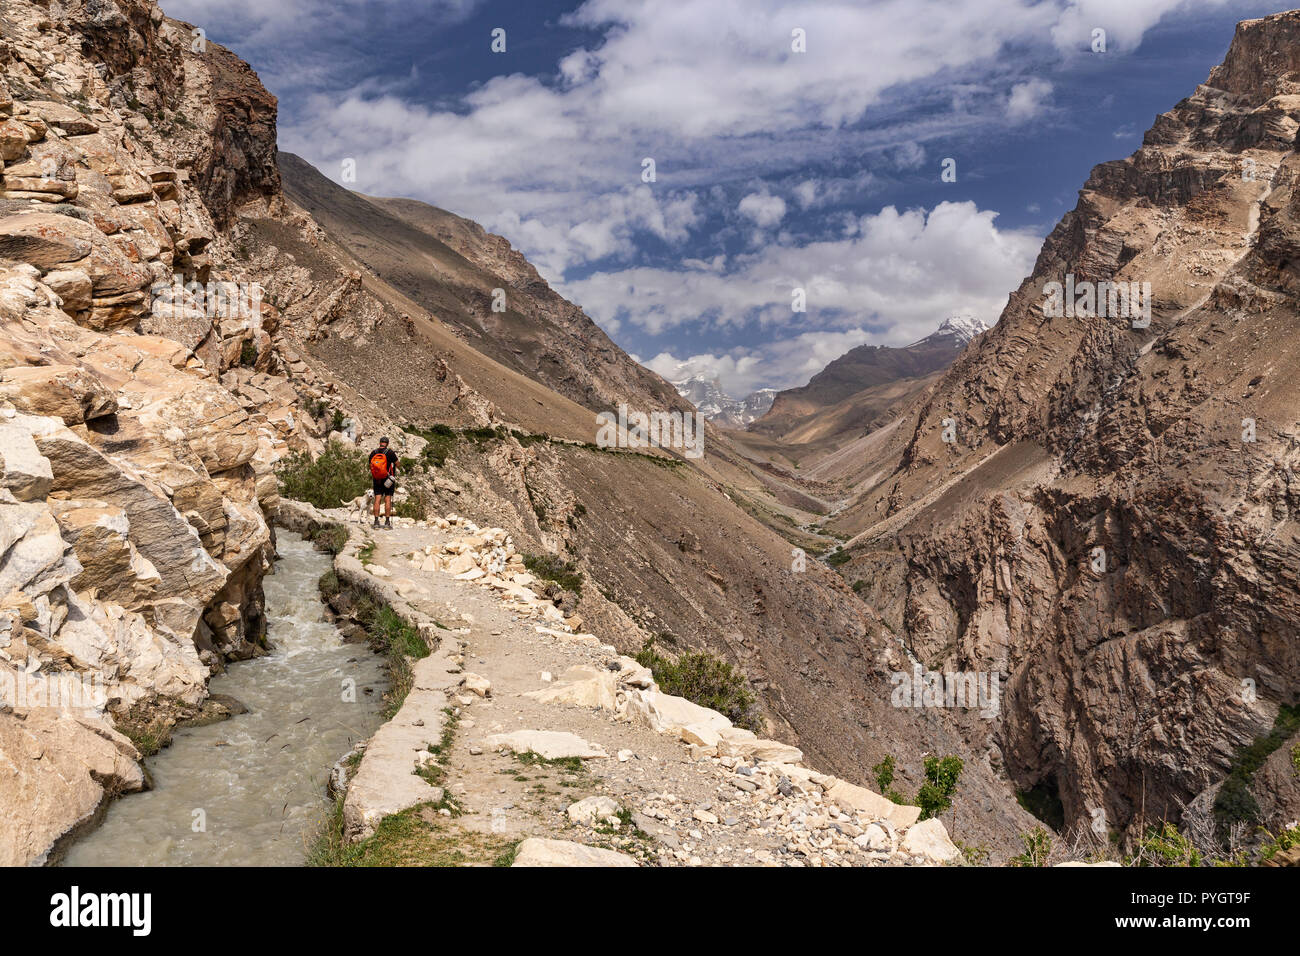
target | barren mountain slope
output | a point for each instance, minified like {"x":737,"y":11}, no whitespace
{"x":451,"y":266}
{"x":855,"y":388}
{"x":1099,"y":528}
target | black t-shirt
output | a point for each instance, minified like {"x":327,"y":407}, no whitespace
{"x":390,"y":455}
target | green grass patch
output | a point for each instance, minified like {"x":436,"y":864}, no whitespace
{"x":419,"y":836}
{"x":434,"y":772}
{"x":571,"y":765}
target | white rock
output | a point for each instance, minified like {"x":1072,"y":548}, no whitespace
{"x":929,"y":840}
{"x":536,"y":851}
{"x":477,"y":684}
{"x":550,"y":744}
{"x":594,"y":810}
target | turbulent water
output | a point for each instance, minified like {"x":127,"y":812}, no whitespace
{"x":250,"y":791}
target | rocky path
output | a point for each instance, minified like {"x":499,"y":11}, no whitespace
{"x":546,"y":733}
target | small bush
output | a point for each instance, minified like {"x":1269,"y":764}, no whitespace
{"x":935,"y":795}
{"x":1038,"y":846}
{"x":441,"y":443}
{"x":884,"y":772}
{"x":1284,"y":841}
{"x":332,"y":537}
{"x":412,"y":507}
{"x":1165,"y":846}
{"x":329,"y":585}
{"x":248,"y":354}
{"x":335,"y":478}
{"x":550,"y":568}
{"x":705,"y":680}
{"x":839,"y":558}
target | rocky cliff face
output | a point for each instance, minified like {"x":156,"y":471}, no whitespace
{"x":139,"y":418}
{"x":1106,"y":510}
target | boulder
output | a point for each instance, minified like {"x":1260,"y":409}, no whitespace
{"x":929,"y":840}
{"x":666,"y":714}
{"x":477,"y":684}
{"x":54,"y":771}
{"x":582,"y":686}
{"x":63,"y":117}
{"x":536,"y":851}
{"x":549,"y":744}
{"x":861,"y":800}
{"x":73,"y":286}
{"x":593,"y":811}
{"x":68,"y":392}
{"x":23,"y":470}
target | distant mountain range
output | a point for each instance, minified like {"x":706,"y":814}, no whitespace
{"x":863,"y":367}
{"x":707,"y":395}
{"x":855,"y":389}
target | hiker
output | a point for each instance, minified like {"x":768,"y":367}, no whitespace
{"x":383,"y":468}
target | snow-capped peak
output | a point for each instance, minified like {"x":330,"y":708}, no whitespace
{"x":964,"y":327}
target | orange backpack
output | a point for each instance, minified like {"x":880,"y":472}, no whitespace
{"x":379,"y":465}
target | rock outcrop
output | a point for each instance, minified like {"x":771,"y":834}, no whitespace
{"x":135,"y":467}
{"x":1099,"y":503}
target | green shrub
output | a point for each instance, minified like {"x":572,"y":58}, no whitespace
{"x":884,"y":772}
{"x":1038,"y":846}
{"x":248,"y":354}
{"x":329,"y":585}
{"x":705,"y":680}
{"x":335,"y":478}
{"x":935,"y":795}
{"x":1236,"y":802}
{"x":1165,"y":846}
{"x":412,"y":507}
{"x":441,"y":443}
{"x":839,"y":558}
{"x":332,"y":537}
{"x":1284,"y":841}
{"x":551,"y":568}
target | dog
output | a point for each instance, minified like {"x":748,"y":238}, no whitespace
{"x":365,"y":506}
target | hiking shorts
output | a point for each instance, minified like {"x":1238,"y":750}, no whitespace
{"x":382,"y":488}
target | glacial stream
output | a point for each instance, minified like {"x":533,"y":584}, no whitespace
{"x":250,"y":791}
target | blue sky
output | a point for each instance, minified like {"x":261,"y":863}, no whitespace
{"x":774,"y":169}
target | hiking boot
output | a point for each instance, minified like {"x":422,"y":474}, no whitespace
{"x":376,"y":522}
{"x":388,"y":526}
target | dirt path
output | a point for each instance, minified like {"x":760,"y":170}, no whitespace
{"x":679,"y":804}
